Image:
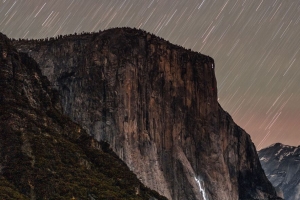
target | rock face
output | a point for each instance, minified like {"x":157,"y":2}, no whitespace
{"x":282,"y":167}
{"x":43,"y":154}
{"x":156,"y":105}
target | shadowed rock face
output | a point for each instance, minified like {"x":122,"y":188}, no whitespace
{"x":281,"y":164}
{"x":156,"y":104}
{"x":45,"y":155}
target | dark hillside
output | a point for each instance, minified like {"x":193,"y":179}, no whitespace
{"x":43,"y":154}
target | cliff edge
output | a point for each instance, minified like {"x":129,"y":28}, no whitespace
{"x":156,"y":104}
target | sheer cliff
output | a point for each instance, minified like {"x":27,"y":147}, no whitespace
{"x":281,"y":164}
{"x":43,"y":154}
{"x":156,"y":104}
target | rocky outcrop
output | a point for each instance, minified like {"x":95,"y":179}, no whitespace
{"x":281,"y":164}
{"x":156,"y":104}
{"x":43,"y":154}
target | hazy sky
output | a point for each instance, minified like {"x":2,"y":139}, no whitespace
{"x":255,"y":45}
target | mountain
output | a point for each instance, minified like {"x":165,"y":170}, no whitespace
{"x":45,"y":155}
{"x":156,"y":104}
{"x":282,"y":167}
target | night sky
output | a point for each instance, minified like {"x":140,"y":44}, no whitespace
{"x":255,"y":45}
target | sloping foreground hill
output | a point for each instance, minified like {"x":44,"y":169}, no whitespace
{"x":282,"y":167}
{"x":156,"y":104}
{"x":43,"y":154}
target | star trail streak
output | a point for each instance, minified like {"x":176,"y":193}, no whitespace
{"x":255,"y":45}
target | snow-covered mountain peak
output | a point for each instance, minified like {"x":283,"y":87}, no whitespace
{"x":281,"y":164}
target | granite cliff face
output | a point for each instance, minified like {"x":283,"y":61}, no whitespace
{"x":43,"y":154}
{"x":156,"y":105}
{"x":281,"y":164}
